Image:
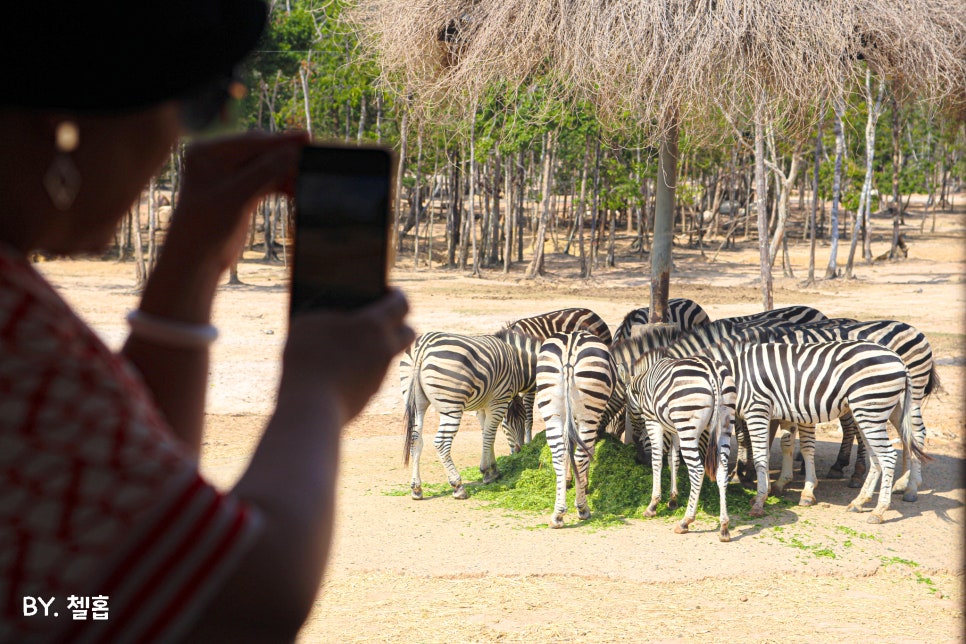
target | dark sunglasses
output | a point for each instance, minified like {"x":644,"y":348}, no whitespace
{"x":209,"y":106}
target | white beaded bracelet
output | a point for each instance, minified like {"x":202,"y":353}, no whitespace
{"x":170,"y":332}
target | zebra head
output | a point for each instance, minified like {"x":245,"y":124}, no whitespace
{"x":635,"y":354}
{"x":515,"y":423}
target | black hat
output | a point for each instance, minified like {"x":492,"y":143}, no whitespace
{"x":110,"y":55}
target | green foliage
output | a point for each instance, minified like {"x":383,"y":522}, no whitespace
{"x":619,"y":487}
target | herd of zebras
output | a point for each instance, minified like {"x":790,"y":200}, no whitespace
{"x":683,"y":388}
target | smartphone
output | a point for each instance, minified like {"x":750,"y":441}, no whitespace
{"x":341,"y":249}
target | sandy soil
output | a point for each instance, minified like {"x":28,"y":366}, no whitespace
{"x":446,"y":570}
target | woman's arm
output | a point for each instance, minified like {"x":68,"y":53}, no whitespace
{"x":222,"y":182}
{"x":333,"y":364}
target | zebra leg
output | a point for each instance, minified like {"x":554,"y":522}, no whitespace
{"x":849,"y":428}
{"x":490,"y":419}
{"x":528,"y":401}
{"x":416,"y":449}
{"x":744,"y":467}
{"x":758,"y":433}
{"x":787,"y":440}
{"x":692,"y":459}
{"x":872,"y":478}
{"x":655,"y":434}
{"x":449,"y":424}
{"x":911,"y":479}
{"x":883,"y":457}
{"x":806,"y":442}
{"x":724,"y":454}
{"x":558,"y":455}
{"x":849,"y":436}
{"x":582,"y":460}
{"x":673,"y":459}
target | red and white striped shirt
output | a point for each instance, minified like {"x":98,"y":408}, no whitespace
{"x":97,"y":497}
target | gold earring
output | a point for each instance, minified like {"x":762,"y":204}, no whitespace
{"x":63,"y":179}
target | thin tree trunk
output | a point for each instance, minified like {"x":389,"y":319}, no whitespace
{"x":832,"y":270}
{"x":761,"y":198}
{"x":896,"y":199}
{"x":536,"y":264}
{"x":508,"y":216}
{"x":592,"y":261}
{"x":362,"y":119}
{"x":417,"y":197}
{"x":403,"y":134}
{"x":472,"y":179}
{"x":812,"y":216}
{"x":863,"y":214}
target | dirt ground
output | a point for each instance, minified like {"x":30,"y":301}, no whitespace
{"x":446,"y":570}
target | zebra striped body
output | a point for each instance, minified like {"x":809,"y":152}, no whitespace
{"x":682,"y":312}
{"x":574,"y":381}
{"x":790,"y":315}
{"x":908,"y":343}
{"x":693,"y":398}
{"x":457,"y":373}
{"x":545,"y":325}
{"x":819,"y":382}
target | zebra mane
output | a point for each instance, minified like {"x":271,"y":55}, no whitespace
{"x":520,"y":339}
{"x":628,"y":352}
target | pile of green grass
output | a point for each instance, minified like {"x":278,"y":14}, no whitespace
{"x":619,"y":487}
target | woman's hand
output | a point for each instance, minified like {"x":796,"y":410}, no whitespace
{"x":344,"y":356}
{"x":223,"y":180}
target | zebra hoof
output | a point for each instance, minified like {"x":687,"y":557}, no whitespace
{"x":416,"y":492}
{"x":853,"y":508}
{"x":556,"y":521}
{"x":681,"y":528}
{"x":490,"y":475}
{"x":874,"y":518}
{"x":757,"y":510}
{"x":672,"y":504}
{"x":650,"y":513}
{"x":583,"y":513}
{"x":856,"y":482}
{"x":806,"y":501}
{"x":910,"y":496}
{"x":460,"y":492}
{"x":835,"y":473}
{"x":724,"y":536}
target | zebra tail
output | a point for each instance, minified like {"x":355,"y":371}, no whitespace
{"x":909,"y":442}
{"x":410,"y":414}
{"x":933,"y":384}
{"x":573,"y":439}
{"x":711,"y":457}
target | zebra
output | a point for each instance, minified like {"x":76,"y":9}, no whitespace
{"x":545,"y":325}
{"x":457,"y":373}
{"x":575,"y":379}
{"x":797,"y":314}
{"x":908,"y":343}
{"x":695,"y":399}
{"x":818,"y":382}
{"x":683,"y":312}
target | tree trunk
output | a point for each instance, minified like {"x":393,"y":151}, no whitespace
{"x":863,"y":214}
{"x":536,"y":264}
{"x":508,"y":217}
{"x":417,"y":198}
{"x":495,"y":215}
{"x":896,"y":199}
{"x":813,"y":214}
{"x":593,"y":222}
{"x":667,"y":169}
{"x":761,"y":199}
{"x":403,"y":133}
{"x":471,"y":215}
{"x":832,"y":270}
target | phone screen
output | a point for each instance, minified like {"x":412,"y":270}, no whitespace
{"x":342,"y":217}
